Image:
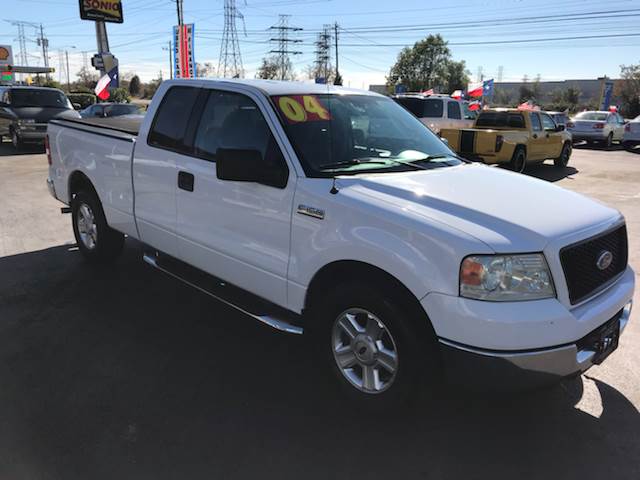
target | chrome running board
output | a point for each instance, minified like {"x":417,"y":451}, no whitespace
{"x":279,"y":319}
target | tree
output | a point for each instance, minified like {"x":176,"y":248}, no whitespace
{"x":204,"y":70}
{"x":425,"y":65}
{"x":87,"y":77}
{"x":120,"y":95}
{"x":269,"y":69}
{"x":457,"y":75}
{"x":151,"y":87}
{"x":134,"y":86}
{"x":502,"y":97}
{"x":572,"y":97}
{"x":628,"y":89}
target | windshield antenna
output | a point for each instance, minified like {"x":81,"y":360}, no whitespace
{"x":333,"y":190}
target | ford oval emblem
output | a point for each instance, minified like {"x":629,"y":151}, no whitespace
{"x":604,"y":260}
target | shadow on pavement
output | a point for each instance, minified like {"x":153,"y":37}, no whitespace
{"x":550,"y":173}
{"x":124,"y":373}
{"x":598,"y":146}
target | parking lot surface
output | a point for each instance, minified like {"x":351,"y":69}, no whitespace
{"x":123,"y":373}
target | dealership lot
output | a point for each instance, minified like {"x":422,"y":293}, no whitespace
{"x":124,"y":373}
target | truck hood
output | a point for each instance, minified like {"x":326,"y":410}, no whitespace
{"x":509,"y":212}
{"x":43,"y":114}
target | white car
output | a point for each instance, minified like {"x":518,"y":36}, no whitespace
{"x":601,"y":127}
{"x":438,"y":111}
{"x":335,"y":212}
{"x":631,"y":138}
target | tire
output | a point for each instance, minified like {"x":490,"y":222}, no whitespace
{"x":97,"y":242}
{"x":386,"y":338}
{"x":609,"y":141}
{"x":563,"y":160}
{"x":16,"y":141}
{"x":518,"y":162}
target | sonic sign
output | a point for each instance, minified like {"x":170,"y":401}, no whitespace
{"x":101,"y":10}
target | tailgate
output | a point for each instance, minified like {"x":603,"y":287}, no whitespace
{"x":472,"y":141}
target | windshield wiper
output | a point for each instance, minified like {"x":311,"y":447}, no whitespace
{"x":353,"y":161}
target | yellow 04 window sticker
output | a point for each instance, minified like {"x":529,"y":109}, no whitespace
{"x":302,"y":108}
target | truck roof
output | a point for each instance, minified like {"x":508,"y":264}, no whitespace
{"x":278,"y":87}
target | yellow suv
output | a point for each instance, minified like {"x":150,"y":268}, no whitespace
{"x":513,"y":137}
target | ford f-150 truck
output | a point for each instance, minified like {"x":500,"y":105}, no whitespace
{"x":512,"y":137}
{"x":335,"y":212}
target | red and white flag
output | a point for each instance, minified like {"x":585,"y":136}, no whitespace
{"x":457,"y":94}
{"x":102,"y":87}
{"x":427,"y":92}
{"x":475,"y":89}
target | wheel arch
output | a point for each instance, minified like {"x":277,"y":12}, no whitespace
{"x":78,"y":181}
{"x":356,"y":270}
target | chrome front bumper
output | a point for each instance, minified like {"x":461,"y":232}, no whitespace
{"x":473,"y":366}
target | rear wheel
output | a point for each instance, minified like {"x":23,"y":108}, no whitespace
{"x":563,"y":160}
{"x":378,"y":352}
{"x":97,"y":242}
{"x":519,"y":160}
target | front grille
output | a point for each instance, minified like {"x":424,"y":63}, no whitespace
{"x":579,"y":263}
{"x":467,"y":139}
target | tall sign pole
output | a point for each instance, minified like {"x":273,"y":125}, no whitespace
{"x":102,"y":41}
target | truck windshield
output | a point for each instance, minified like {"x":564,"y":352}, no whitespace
{"x":500,"y":120}
{"x":348,"y":134}
{"x":39,"y":98}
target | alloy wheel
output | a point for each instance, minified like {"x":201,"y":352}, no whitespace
{"x":87,"y":228}
{"x":364,"y":350}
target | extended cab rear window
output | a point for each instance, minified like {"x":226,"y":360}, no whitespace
{"x":423,"y":107}
{"x":500,"y":120}
{"x":171,"y":120}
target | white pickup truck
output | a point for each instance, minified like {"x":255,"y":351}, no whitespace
{"x":336,"y":212}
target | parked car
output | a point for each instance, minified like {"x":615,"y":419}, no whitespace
{"x":335,"y":212}
{"x":25,"y":111}
{"x":512,"y":137}
{"x":631,"y":137}
{"x":561,"y":118}
{"x":595,"y":126}
{"x":111,"y":110}
{"x":437,"y":111}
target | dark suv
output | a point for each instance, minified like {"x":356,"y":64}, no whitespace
{"x":25,"y":111}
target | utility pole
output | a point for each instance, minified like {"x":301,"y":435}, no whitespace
{"x":44,"y":43}
{"x":179,"y":11}
{"x":170,"y":50}
{"x":230,"y":62}
{"x":66,"y":54}
{"x":338,"y":79}
{"x":283,"y":42}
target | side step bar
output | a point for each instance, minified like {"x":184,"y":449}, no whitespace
{"x":277,"y":318}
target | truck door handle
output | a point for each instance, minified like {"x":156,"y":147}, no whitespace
{"x":547,"y":135}
{"x":185,"y":181}
{"x":535,"y":135}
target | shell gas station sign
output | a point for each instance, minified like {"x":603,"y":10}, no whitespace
{"x":6,"y":59}
{"x":101,"y":10}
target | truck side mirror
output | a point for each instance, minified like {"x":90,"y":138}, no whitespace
{"x":560,"y":128}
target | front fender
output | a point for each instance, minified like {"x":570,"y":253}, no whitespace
{"x":423,"y":255}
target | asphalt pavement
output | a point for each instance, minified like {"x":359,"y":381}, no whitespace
{"x":123,"y":373}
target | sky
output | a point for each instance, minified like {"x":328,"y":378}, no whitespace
{"x":506,"y":39}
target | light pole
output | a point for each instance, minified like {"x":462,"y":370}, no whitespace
{"x":170,"y":50}
{"x":66,"y":54}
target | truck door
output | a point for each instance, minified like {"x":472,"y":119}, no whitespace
{"x":155,"y":173}
{"x":537,"y":141}
{"x":553,"y":138}
{"x":236,"y":231}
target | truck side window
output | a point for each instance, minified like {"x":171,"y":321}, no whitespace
{"x":433,"y":108}
{"x":548,"y":123}
{"x":233,"y":120}
{"x":172,"y":118}
{"x":535,"y":122}
{"x":453,"y":110}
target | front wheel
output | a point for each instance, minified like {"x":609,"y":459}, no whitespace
{"x":563,"y":160}
{"x":16,"y":141}
{"x":97,"y":242}
{"x":379,"y":354}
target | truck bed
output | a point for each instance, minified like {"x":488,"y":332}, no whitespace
{"x":125,"y":123}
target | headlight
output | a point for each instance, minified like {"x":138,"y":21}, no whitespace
{"x":506,"y":278}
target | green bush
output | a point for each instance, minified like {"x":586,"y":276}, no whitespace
{"x":120,"y":95}
{"x":83,"y":99}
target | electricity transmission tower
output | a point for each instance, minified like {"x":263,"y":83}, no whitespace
{"x":23,"y":56}
{"x":323,"y":54}
{"x":230,"y":62}
{"x":283,"y":41}
{"x":62,"y":66}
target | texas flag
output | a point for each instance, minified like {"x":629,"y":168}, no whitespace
{"x":427,"y":92}
{"x":457,"y":94}
{"x":102,"y":87}
{"x":475,"y":89}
